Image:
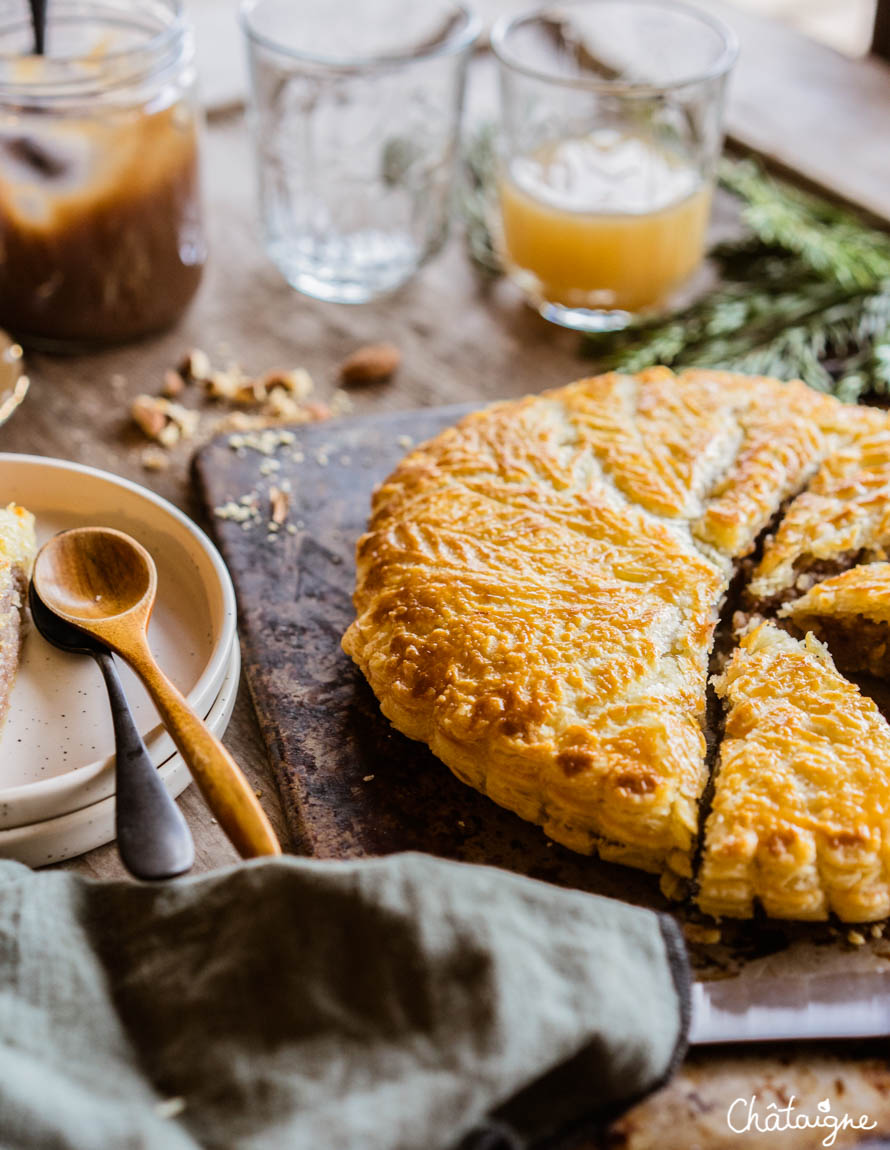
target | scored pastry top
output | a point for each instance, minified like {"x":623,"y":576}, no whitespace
{"x":538,"y":589}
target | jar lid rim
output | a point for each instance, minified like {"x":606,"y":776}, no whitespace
{"x":55,"y":78}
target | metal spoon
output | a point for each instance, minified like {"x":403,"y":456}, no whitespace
{"x":105,"y":583}
{"x":153,"y":838}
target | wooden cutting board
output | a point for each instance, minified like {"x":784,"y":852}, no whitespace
{"x":351,"y":785}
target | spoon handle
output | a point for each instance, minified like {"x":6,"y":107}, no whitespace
{"x":220,"y":780}
{"x":38,"y":25}
{"x":153,"y":838}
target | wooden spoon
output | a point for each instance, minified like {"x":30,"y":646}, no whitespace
{"x":105,"y":583}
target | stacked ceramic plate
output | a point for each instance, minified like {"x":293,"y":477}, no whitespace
{"x":57,"y":747}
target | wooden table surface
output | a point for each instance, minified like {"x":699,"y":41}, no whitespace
{"x":463,"y":339}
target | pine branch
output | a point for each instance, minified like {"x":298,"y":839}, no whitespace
{"x":729,"y":320}
{"x":869,"y":371}
{"x":475,"y":198}
{"x":830,"y":240}
{"x":836,"y":342}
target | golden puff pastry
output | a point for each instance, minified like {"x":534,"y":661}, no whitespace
{"x":841,"y":519}
{"x":17,"y":550}
{"x":851,"y":614}
{"x":800,"y":820}
{"x":714,"y":451}
{"x":538,"y":589}
{"x":544,"y":661}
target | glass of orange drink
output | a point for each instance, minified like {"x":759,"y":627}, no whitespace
{"x":611,"y":127}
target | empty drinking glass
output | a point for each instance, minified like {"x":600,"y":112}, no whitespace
{"x":356,"y":109}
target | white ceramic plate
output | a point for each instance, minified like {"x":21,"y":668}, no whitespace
{"x":66,"y":836}
{"x":56,"y":749}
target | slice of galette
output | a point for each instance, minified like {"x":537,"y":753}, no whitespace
{"x":17,"y":550}
{"x":800,"y":820}
{"x":842,"y":519}
{"x":851,"y":614}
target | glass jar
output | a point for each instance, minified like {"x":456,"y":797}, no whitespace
{"x":101,"y":236}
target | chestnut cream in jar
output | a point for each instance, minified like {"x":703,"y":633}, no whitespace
{"x":101,"y":236}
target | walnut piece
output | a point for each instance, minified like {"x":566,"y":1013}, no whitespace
{"x":195,"y":366}
{"x":279,"y":501}
{"x":163,"y":420}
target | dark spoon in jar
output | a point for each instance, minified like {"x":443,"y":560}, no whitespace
{"x":153,"y":839}
{"x":38,"y":23}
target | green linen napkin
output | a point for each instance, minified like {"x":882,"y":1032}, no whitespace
{"x":404,"y":1003}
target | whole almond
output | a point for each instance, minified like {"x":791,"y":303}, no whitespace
{"x":174,"y":384}
{"x":371,"y":364}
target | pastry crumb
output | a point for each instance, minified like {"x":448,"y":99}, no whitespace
{"x":701,"y":935}
{"x":341,"y":403}
{"x":266,"y":441}
{"x":155,"y":459}
{"x":236,"y":512}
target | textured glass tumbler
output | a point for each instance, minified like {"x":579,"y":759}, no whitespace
{"x":356,"y":108}
{"x":611,"y":127}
